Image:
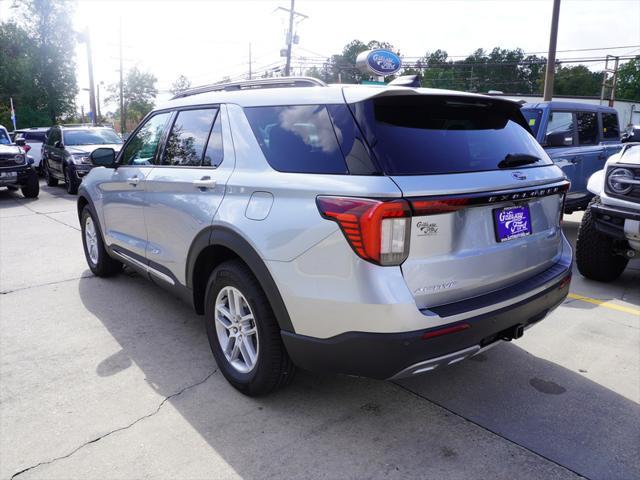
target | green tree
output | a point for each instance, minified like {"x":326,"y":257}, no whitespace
{"x":139,"y":92}
{"x":17,"y":71}
{"x":628,"y":87}
{"x":577,"y":80}
{"x":181,"y":84}
{"x":48,"y":24}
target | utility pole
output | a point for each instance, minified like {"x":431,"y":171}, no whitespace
{"x":551,"y":58}
{"x":287,"y":67}
{"x":122,"y":112}
{"x":85,"y":38}
{"x":98,"y":101}
{"x":249,"y":60}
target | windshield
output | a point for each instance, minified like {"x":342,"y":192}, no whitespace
{"x":437,"y":134}
{"x":532,"y":116}
{"x":99,"y":136}
{"x":4,"y":138}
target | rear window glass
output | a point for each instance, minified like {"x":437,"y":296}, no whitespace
{"x":35,"y":136}
{"x":297,"y":138}
{"x":611,"y":129}
{"x":433,"y":135}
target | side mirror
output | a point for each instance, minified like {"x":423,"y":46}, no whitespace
{"x":21,"y":142}
{"x":103,"y":157}
{"x":559,"y":139}
{"x":58,"y":144}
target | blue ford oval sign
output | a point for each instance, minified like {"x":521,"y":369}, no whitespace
{"x":379,"y":62}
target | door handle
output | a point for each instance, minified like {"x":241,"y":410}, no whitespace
{"x":133,"y":181}
{"x":204,"y":183}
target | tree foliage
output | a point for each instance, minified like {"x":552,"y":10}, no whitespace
{"x":181,"y":84}
{"x":139,"y":92}
{"x":37,"y":67}
{"x":628,"y":86}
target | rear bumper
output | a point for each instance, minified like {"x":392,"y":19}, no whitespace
{"x":396,"y":355}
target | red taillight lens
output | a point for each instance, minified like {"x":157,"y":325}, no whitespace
{"x":377,"y":231}
{"x":26,"y":148}
{"x":445,"y":331}
{"x":433,"y":207}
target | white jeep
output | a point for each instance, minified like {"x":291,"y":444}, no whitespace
{"x":609,"y":234}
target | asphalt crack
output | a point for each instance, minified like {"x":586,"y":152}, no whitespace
{"x":111,"y":432}
{"x":55,"y":282}
{"x":47,"y":215}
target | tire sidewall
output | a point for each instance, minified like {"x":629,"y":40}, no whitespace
{"x":95,"y":268}
{"x":223,"y":276}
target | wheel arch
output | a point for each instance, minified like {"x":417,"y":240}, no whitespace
{"x":217,"y":244}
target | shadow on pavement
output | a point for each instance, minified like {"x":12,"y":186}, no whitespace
{"x":358,"y":425}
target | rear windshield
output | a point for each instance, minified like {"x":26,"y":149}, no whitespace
{"x":35,"y":136}
{"x":433,"y":135}
{"x":91,"y":137}
{"x":533,"y":117}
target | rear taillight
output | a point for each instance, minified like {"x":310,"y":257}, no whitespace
{"x":378,"y":231}
{"x":26,"y":148}
{"x":434,"y":207}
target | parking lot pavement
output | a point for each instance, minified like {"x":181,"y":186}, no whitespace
{"x":111,"y":378}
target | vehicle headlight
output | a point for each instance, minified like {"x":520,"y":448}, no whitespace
{"x":19,"y":159}
{"x":80,"y":159}
{"x":620,"y":181}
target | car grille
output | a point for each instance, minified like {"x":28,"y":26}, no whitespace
{"x":7,"y":161}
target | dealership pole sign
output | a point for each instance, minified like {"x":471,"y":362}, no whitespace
{"x":380,"y":63}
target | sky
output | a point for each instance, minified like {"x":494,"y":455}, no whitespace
{"x":208,"y":40}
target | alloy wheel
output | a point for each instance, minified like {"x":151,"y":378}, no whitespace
{"x":236,"y":329}
{"x":91,"y":240}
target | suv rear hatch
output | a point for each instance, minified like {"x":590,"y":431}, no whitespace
{"x":486,"y":199}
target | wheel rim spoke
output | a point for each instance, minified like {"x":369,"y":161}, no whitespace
{"x":236,"y":329}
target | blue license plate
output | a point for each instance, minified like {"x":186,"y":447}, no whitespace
{"x":512,"y":222}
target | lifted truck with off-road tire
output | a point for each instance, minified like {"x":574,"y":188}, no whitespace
{"x":609,"y":235}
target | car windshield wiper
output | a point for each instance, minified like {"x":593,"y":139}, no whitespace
{"x":514,"y":160}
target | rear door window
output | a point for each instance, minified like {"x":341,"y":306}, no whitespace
{"x":188,"y":137}
{"x":297,"y":138}
{"x":610,"y":126}
{"x":587,"y":128}
{"x":421,"y":135}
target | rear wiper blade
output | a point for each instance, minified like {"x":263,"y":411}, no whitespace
{"x":514,"y":160}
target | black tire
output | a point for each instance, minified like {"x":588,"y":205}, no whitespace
{"x":595,"y":255}
{"x":32,"y":188}
{"x":105,"y":265}
{"x":51,"y":181}
{"x":72,"y":184}
{"x":273,"y":368}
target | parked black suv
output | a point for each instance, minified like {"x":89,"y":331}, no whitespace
{"x":15,"y":168}
{"x":65,"y":154}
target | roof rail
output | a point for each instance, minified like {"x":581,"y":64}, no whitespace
{"x":277,"y":82}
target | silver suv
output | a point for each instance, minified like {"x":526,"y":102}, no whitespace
{"x":373,"y":231}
